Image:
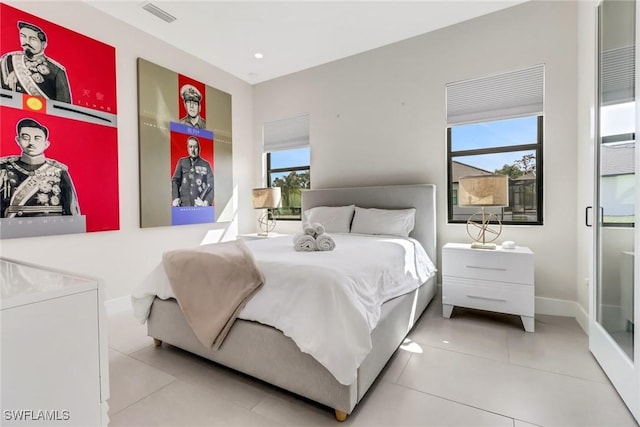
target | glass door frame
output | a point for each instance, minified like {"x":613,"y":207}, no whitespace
{"x":623,"y":373}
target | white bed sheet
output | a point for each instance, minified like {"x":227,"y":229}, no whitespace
{"x":326,"y":302}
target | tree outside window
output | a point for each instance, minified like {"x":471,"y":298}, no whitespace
{"x":510,"y":147}
{"x":289,"y":170}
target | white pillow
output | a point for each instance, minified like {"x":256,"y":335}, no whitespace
{"x":335,"y":219}
{"x":395,"y":222}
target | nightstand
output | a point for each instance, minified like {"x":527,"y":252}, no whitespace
{"x":499,"y":280}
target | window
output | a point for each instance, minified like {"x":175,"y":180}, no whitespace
{"x":289,"y":170}
{"x":286,"y":144}
{"x":495,"y":125}
{"x":617,"y":164}
{"x":510,"y":147}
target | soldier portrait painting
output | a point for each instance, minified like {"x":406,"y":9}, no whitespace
{"x":191,"y":97}
{"x":30,"y":71}
{"x":192,"y":181}
{"x":32,"y":185}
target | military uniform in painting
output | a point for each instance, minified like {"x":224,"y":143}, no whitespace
{"x":35,"y":190}
{"x":39,"y":76}
{"x":193,"y":179}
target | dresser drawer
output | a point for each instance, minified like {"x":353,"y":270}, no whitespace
{"x":508,"y":298}
{"x":501,"y":266}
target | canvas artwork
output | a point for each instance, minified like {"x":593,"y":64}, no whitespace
{"x":185,"y":149}
{"x":58,"y":139}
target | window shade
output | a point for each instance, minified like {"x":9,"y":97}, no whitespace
{"x":618,"y":75}
{"x":286,"y":134}
{"x":514,"y":94}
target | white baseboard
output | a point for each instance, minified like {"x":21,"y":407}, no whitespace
{"x":118,"y":305}
{"x":560,"y":307}
{"x":582,"y":317}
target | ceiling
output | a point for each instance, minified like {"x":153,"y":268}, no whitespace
{"x":291,"y":35}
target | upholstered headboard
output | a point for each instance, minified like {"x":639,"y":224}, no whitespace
{"x":419,"y":196}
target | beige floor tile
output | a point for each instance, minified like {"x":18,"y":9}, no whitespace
{"x":392,"y":405}
{"x":555,"y":348}
{"x":182,"y":404}
{"x":530,"y":395}
{"x":468,"y":316}
{"x":396,"y":364}
{"x":126,"y":334}
{"x":195,"y":370}
{"x":292,"y":411}
{"x":131,"y":380}
{"x":478,"y":339}
{"x":568,"y":324}
{"x":490,"y":372}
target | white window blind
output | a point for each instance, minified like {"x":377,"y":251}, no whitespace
{"x":514,"y":94}
{"x":286,"y":134}
{"x":618,"y":75}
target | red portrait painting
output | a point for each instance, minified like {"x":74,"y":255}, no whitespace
{"x":58,"y":139}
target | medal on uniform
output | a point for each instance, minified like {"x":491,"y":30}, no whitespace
{"x":43,"y":69}
{"x":43,"y":199}
{"x":45,"y":187}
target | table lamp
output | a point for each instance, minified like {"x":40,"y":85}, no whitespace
{"x":489,"y":190}
{"x":266,"y":198}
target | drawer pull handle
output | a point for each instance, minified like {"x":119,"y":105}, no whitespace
{"x":486,"y":268}
{"x":487,"y":298}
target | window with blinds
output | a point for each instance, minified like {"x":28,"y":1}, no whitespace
{"x":495,"y":125}
{"x":286,"y":144}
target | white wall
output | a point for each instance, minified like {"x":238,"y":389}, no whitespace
{"x":379,"y":118}
{"x":122,"y":258}
{"x":585,"y":146}
{"x":376,"y":118}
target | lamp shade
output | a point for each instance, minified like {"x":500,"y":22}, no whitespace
{"x":483,"y":190}
{"x":265,"y":198}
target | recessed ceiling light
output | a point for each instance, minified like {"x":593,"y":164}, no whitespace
{"x":258,"y":55}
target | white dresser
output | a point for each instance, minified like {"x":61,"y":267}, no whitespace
{"x":500,"y":280}
{"x":54,"y":348}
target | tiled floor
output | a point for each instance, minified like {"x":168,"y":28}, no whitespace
{"x":475,"y":369}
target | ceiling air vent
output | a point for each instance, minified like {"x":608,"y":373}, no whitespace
{"x":155,"y":10}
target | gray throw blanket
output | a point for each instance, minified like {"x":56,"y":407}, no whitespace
{"x":212,"y":284}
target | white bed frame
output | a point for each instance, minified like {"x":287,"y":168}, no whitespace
{"x":265,"y":353}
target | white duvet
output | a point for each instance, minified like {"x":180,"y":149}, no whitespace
{"x":327,"y":302}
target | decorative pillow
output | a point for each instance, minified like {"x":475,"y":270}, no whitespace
{"x":395,"y":222}
{"x":335,"y":219}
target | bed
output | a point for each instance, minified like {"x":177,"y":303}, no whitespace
{"x":264,"y":352}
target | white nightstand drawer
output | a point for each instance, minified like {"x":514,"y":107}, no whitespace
{"x":508,"y":298}
{"x":501,"y":266}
